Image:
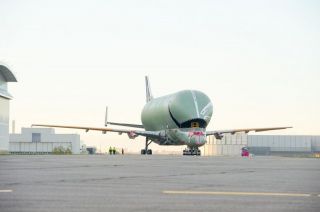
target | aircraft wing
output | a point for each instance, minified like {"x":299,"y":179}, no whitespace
{"x":131,"y":133}
{"x":219,"y":133}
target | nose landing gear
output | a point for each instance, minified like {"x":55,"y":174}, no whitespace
{"x":192,"y":151}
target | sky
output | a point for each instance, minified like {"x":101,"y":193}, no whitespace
{"x":258,"y":61}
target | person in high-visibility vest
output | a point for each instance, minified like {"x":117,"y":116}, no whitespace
{"x":110,"y":150}
{"x":114,"y":150}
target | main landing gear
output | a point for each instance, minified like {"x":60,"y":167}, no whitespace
{"x":147,"y":151}
{"x":192,"y":151}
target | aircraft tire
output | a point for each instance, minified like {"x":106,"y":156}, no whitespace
{"x":198,"y":153}
{"x":149,"y":152}
{"x":143,"y":151}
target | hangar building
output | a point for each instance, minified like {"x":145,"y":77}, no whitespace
{"x":5,"y":76}
{"x":42,"y":141}
{"x":262,"y":144}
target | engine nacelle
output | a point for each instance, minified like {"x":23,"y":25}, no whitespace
{"x":132,"y":135}
{"x":218,"y":136}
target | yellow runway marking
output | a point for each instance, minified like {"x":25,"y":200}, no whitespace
{"x":226,"y":193}
{"x":5,"y":191}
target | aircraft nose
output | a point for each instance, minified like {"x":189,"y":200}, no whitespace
{"x":198,"y":138}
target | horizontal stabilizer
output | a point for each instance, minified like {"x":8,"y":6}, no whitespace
{"x":106,"y":122}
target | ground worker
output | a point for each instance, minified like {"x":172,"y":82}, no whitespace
{"x":114,"y":150}
{"x":110,"y":150}
{"x":122,"y":151}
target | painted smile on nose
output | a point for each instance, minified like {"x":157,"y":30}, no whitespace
{"x":198,"y":133}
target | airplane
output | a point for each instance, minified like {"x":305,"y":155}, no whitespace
{"x":180,"y":118}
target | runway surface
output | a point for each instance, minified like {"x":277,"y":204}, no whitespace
{"x":158,"y":183}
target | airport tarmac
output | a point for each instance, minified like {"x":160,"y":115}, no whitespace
{"x":158,"y":183}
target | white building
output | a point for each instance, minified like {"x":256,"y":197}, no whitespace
{"x":262,"y":144}
{"x":42,"y":141}
{"x":5,"y":76}
{"x":228,"y":145}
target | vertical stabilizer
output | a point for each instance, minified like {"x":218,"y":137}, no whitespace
{"x":106,"y":117}
{"x":148,"y":90}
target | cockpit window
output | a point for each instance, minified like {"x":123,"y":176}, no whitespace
{"x":194,"y":123}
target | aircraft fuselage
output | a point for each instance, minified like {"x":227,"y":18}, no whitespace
{"x":180,"y":118}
